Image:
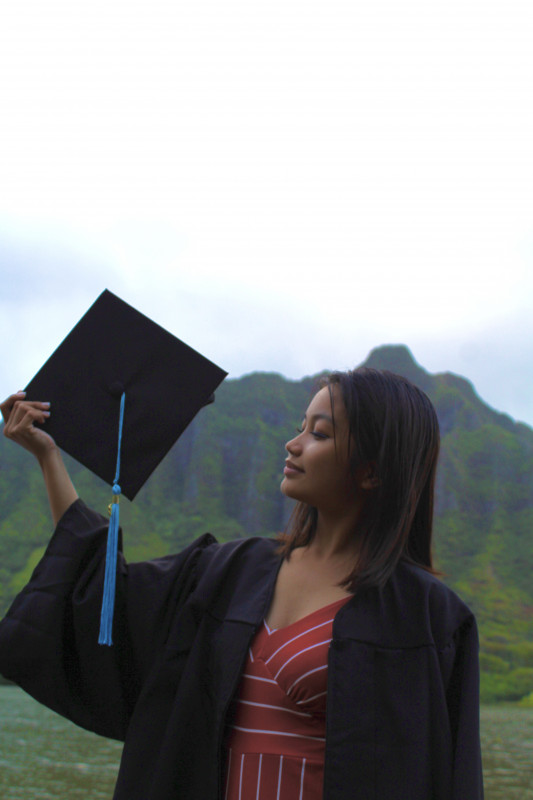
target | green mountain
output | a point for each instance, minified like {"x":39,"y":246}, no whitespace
{"x":223,"y":476}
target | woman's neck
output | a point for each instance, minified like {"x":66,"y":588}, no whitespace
{"x":334,"y":538}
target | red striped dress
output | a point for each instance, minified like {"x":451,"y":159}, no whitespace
{"x":276,"y":739}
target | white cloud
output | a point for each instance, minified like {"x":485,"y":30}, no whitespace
{"x":283,"y":184}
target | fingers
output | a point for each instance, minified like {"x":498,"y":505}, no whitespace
{"x":7,"y":405}
{"x":15,"y":408}
{"x":20,"y":417}
{"x":14,"y":400}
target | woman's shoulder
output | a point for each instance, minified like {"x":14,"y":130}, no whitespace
{"x":413,"y":609}
{"x":429,"y":597}
{"x":247,"y":548}
{"x":425,"y":583}
{"x":219,"y":559}
{"x":235,"y":578}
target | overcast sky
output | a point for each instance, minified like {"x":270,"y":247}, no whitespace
{"x":284,"y":185}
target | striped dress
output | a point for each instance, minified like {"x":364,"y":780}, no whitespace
{"x":276,"y":738}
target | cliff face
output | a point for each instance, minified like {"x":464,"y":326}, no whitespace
{"x":224,"y":473}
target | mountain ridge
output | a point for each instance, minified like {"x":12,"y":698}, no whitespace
{"x":224,"y":473}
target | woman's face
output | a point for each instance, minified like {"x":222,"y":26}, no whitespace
{"x":317,"y":467}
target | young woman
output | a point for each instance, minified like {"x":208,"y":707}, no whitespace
{"x":328,"y":665}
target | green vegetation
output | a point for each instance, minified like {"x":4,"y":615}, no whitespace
{"x":223,"y":476}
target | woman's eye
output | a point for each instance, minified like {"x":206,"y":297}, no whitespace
{"x":316,"y":434}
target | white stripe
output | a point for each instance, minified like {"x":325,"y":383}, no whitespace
{"x":240,"y":777}
{"x":259,"y":776}
{"x":279,"y":733}
{"x":276,"y":708}
{"x":305,"y":650}
{"x":318,"y":669}
{"x":308,"y":699}
{"x":302,"y":780}
{"x":279,"y":776}
{"x":257,"y":678}
{"x":251,"y":655}
{"x":297,"y":637}
{"x":227,"y":779}
{"x":269,"y":630}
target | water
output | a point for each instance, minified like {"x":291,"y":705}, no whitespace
{"x":44,"y":757}
{"x":507,"y":741}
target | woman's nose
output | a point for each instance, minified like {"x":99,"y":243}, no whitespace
{"x":293,"y":445}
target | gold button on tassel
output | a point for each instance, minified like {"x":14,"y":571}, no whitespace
{"x":114,"y":499}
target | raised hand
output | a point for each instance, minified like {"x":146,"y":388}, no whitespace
{"x":19,"y":417}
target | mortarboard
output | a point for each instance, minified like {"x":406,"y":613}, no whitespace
{"x":122,"y":390}
{"x":115,"y":349}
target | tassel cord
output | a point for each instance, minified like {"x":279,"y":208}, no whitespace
{"x":108,"y":600}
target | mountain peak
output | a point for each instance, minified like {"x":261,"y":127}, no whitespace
{"x":399,"y":359}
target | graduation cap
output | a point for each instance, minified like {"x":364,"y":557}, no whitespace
{"x":122,"y":390}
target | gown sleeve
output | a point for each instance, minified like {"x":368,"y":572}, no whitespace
{"x":49,"y":637}
{"x":463,"y":710}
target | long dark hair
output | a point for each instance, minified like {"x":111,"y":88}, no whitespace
{"x":393,"y":429}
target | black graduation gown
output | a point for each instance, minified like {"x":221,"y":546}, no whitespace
{"x":402,"y":713}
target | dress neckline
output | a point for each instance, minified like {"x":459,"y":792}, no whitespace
{"x":329,"y":606}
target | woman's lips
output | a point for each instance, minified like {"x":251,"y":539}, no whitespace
{"x":291,"y":469}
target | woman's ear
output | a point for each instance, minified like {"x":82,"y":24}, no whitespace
{"x":369,"y":478}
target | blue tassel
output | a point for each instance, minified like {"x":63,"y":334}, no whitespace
{"x":110,"y":577}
